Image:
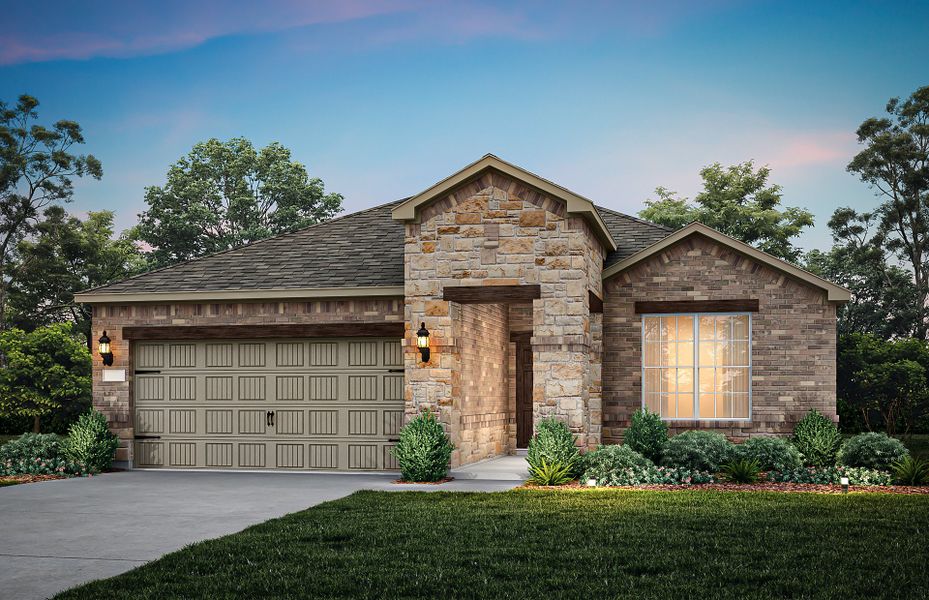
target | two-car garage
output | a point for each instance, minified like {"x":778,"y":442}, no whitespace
{"x":303,"y":403}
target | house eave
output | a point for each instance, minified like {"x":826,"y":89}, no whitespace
{"x":574,"y":203}
{"x":241,"y":295}
{"x":834,"y":293}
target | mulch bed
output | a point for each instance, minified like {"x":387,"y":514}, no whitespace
{"x":30,"y":478}
{"x":439,"y":482}
{"x":812,"y":488}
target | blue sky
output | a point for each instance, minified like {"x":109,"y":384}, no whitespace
{"x":381,"y":99}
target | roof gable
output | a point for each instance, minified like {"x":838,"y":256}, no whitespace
{"x":835,"y":293}
{"x":574,"y":203}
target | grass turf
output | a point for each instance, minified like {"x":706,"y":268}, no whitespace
{"x":559,"y":544}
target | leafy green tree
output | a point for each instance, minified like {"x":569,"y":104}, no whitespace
{"x":882,"y":384}
{"x":738,"y":201}
{"x":66,"y":255}
{"x":46,"y":370}
{"x":884,"y":296}
{"x":225,"y":194}
{"x":895,"y":163}
{"x":36,"y":169}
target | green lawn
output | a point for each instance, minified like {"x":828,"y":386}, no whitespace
{"x":558,"y":544}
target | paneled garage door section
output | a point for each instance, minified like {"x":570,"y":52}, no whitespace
{"x":268,"y":404}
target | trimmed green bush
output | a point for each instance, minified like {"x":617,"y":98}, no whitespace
{"x":90,"y":442}
{"x":37,"y":454}
{"x":424,"y":449}
{"x":818,"y":440}
{"x":605,"y":462}
{"x":698,"y":451}
{"x":831,"y":475}
{"x":743,"y":470}
{"x":553,"y":442}
{"x":771,"y":453}
{"x":872,"y":451}
{"x":910,"y":471}
{"x":547,"y":473}
{"x":647,"y":434}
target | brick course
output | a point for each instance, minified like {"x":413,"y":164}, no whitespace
{"x":793,"y":336}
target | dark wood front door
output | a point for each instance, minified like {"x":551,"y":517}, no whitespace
{"x":523,"y":392}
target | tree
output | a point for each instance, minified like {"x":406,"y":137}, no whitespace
{"x":737,"y":201}
{"x":895,"y":163}
{"x":66,"y":255}
{"x":225,"y":194}
{"x":36,"y":170}
{"x":882,"y":384}
{"x":47,"y":369}
{"x":884,"y":297}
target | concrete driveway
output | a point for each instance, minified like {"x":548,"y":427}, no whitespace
{"x":57,"y":534}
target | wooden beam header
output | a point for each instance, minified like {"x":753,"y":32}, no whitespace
{"x":492,"y":294}
{"x":285,"y":330}
{"x":697,"y":306}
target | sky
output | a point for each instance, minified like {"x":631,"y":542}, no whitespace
{"x":381,"y":99}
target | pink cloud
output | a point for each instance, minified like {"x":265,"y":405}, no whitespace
{"x":122,"y":29}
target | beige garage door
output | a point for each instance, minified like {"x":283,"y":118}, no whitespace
{"x":268,"y":404}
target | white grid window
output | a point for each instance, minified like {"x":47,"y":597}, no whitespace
{"x":697,"y":366}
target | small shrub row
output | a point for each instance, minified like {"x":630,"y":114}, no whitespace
{"x":831,"y":475}
{"x":621,"y":465}
{"x":89,"y":448}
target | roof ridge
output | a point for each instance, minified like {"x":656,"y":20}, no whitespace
{"x":636,"y":219}
{"x":243,"y":246}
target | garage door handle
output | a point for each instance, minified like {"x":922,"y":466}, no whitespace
{"x":268,"y":418}
{"x":272,"y":418}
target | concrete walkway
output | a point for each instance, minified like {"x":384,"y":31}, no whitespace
{"x":501,"y":468}
{"x":57,"y":534}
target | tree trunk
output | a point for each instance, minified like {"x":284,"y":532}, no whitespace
{"x":36,"y":424}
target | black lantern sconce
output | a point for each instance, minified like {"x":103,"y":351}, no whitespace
{"x":104,"y":349}
{"x":422,"y":342}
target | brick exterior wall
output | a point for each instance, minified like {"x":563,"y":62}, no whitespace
{"x":114,"y":399}
{"x":485,"y":411}
{"x":793,"y":336}
{"x":497,"y":231}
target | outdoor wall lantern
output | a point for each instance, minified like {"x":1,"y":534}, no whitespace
{"x":104,"y":349}
{"x":422,"y":342}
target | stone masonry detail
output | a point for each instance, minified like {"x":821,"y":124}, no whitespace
{"x":497,"y":231}
{"x":793,"y":336}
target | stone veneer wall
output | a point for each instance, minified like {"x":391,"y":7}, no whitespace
{"x":793,"y":336}
{"x":114,"y":399}
{"x":497,"y":231}
{"x":484,"y":409}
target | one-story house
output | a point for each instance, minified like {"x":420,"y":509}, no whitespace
{"x":301,"y":351}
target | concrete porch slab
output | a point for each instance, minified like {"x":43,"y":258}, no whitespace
{"x":500,"y":468}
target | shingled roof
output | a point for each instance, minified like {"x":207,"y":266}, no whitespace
{"x":362,"y":249}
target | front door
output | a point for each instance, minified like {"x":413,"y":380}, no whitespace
{"x":523,"y":392}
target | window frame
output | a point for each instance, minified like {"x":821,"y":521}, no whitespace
{"x":696,"y":363}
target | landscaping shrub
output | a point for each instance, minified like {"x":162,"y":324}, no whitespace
{"x":90,"y":442}
{"x":647,"y":434}
{"x":743,"y":470}
{"x":554,"y":473}
{"x":553,"y":442}
{"x":771,"y":453}
{"x":602,"y":463}
{"x":872,"y":451}
{"x":818,"y":439}
{"x":423,"y":450}
{"x":910,"y":471}
{"x":698,"y":451}
{"x":621,"y":465}
{"x":37,"y":454}
{"x":831,"y":475}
